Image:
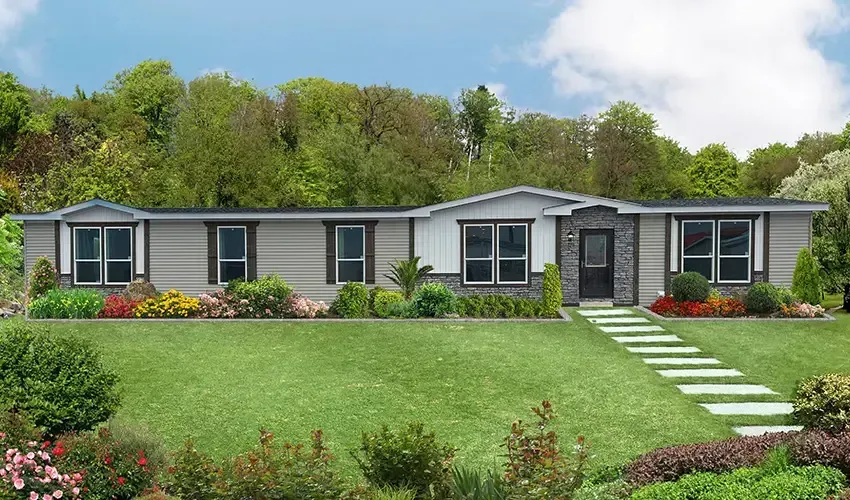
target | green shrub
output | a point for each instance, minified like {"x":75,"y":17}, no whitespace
{"x":352,"y":301}
{"x":405,"y":309}
{"x":18,"y":430}
{"x":553,"y":296}
{"x":500,"y":306}
{"x":391,"y":494}
{"x":434,"y":300}
{"x":193,"y":474}
{"x":406,"y":274}
{"x":823,"y":402}
{"x":409,"y":458}
{"x":372,"y":293}
{"x":57,"y":381}
{"x":42,"y":278}
{"x":792,"y":483}
{"x":806,"y":283}
{"x":690,"y":286}
{"x":471,"y":484}
{"x":763,"y":298}
{"x":69,"y":303}
{"x":383,"y":300}
{"x":785,"y":296}
{"x":267,"y":296}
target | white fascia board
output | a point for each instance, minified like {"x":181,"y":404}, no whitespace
{"x":36,"y":217}
{"x":138,"y":214}
{"x":279,"y":216}
{"x":814,"y":207}
{"x":568,"y":208}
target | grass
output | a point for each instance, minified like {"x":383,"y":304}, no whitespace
{"x":221,"y":382}
{"x":833,"y":300}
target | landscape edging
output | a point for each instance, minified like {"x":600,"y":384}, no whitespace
{"x":826,"y":317}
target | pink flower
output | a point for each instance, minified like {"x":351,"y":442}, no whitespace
{"x":57,"y":494}
{"x":19,"y":483}
{"x":75,"y":491}
{"x":33,"y":495}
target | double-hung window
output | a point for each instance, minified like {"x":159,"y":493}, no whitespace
{"x":698,"y":248}
{"x":119,"y":255}
{"x":733,"y":251}
{"x":232,"y":254}
{"x":350,"y":254}
{"x":87,"y":265}
{"x":495,"y":254}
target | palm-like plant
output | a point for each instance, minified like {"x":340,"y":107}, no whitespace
{"x":406,"y":274}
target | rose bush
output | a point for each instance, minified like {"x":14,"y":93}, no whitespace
{"x":29,"y":471}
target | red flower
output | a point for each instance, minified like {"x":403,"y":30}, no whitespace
{"x":121,"y":480}
{"x":142,"y":461}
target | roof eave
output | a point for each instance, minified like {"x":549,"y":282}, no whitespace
{"x":812,"y":207}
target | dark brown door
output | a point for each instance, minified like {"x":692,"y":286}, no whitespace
{"x":596,"y":261}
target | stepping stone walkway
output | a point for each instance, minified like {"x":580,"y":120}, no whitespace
{"x":624,"y":321}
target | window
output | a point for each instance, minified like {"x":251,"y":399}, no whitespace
{"x":513,"y":253}
{"x":596,"y":250}
{"x":232,"y":254}
{"x":478,"y":253}
{"x":87,"y":256}
{"x":119,"y":255}
{"x":733,"y":251}
{"x":698,"y":248}
{"x":351,"y":254}
{"x":495,"y":253}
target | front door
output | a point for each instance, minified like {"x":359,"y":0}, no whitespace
{"x":596,"y":261}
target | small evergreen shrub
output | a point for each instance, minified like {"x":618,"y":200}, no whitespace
{"x":763,"y":298}
{"x":500,"y":306}
{"x":42,"y":278}
{"x":434,"y":300}
{"x":57,"y":381}
{"x":690,"y":287}
{"x":372,"y":293}
{"x":69,"y":303}
{"x":383,"y":300}
{"x":352,"y":301}
{"x":410,"y":458}
{"x":405,"y":309}
{"x":806,"y":284}
{"x":553,"y":295}
{"x":266,"y":297}
{"x":823,"y":402}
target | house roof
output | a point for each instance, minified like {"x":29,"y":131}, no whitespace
{"x":279,"y":210}
{"x":722,"y":202}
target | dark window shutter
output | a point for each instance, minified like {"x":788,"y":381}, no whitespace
{"x":370,"y":254}
{"x":251,"y":243}
{"x":212,"y":254}
{"x":330,"y":253}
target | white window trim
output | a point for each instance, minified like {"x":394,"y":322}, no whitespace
{"x":498,"y":257}
{"x":710,"y":256}
{"x":338,"y":259}
{"x":245,"y":253}
{"x":107,"y":260}
{"x":98,"y":260}
{"x":748,"y":256}
{"x":492,"y":257}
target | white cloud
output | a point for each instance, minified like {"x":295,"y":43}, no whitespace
{"x":743,"y":72}
{"x":500,"y":90}
{"x":12,"y":14}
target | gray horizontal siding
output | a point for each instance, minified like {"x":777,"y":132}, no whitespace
{"x":788,"y":233}
{"x":178,"y":255}
{"x":651,"y":263}
{"x":39,"y":240}
{"x":296,"y":251}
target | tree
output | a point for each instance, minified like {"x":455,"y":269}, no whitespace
{"x":806,"y":283}
{"x":811,"y":148}
{"x":714,"y":172}
{"x":478,"y":114}
{"x":675,"y":162}
{"x":14,"y":110}
{"x":766,"y":167}
{"x":626,"y":161}
{"x":151,"y":89}
{"x":827,"y":181}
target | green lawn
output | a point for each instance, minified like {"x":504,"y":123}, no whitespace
{"x":220,"y":382}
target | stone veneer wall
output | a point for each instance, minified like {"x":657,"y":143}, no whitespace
{"x":65,"y":282}
{"x":624,"y":251}
{"x":732,"y":290}
{"x":533,"y":291}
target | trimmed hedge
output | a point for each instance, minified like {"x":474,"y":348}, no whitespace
{"x":553,"y":295}
{"x":690,"y":287}
{"x":500,"y":306}
{"x":434,"y":300}
{"x":806,"y":283}
{"x":763,"y":298}
{"x":823,"y":402}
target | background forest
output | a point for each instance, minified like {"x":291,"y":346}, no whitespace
{"x":149,"y":138}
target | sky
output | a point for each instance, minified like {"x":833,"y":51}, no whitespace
{"x":741,"y":72}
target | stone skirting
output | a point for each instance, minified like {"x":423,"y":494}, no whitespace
{"x":533,"y":290}
{"x":65,"y":282}
{"x":624,"y":251}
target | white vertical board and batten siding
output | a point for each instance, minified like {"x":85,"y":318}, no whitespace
{"x":40,"y":241}
{"x":758,"y":241}
{"x":178,"y":256}
{"x":296,"y":251}
{"x":789,"y":232}
{"x":437,"y":239}
{"x":651,"y":243}
{"x":99,"y":215}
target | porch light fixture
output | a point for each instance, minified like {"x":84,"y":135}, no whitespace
{"x":571,"y":236}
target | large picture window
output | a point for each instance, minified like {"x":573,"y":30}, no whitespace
{"x":351,"y":254}
{"x":232,"y":254}
{"x":495,"y":253}
{"x":87,"y":265}
{"x":119,"y":255}
{"x":698,"y":248}
{"x":733,"y":251}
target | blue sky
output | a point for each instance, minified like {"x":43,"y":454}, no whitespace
{"x":438,"y":47}
{"x":742,"y":72}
